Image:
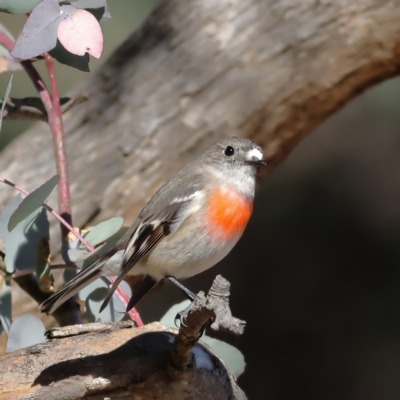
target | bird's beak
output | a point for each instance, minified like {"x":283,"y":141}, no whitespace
{"x":257,"y":163}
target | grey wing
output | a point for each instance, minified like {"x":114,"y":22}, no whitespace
{"x":150,"y":231}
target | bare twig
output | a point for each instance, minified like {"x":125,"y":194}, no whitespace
{"x":214,"y":306}
{"x":80,"y":329}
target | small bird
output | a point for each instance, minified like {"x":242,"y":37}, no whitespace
{"x":189,"y":225}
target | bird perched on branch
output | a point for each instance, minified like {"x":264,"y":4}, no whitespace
{"x":189,"y":225}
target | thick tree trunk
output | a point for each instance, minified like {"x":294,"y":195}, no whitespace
{"x":116,"y":364}
{"x":200,"y":70}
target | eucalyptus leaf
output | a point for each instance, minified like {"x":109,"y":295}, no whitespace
{"x":94,"y":295}
{"x":12,"y":240}
{"x":83,"y":258}
{"x":26,"y":330}
{"x":231,"y":356}
{"x":33,"y":201}
{"x":104,"y":230}
{"x":76,"y":255}
{"x":29,"y":221}
{"x":21,"y":244}
{"x":89,"y":3}
{"x":8,"y":90}
{"x":71,"y":60}
{"x":18,"y":6}
{"x":168,"y":318}
{"x":39,"y":231}
{"x":39,"y":34}
{"x":32,"y":108}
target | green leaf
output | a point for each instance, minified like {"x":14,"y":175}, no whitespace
{"x":32,"y":108}
{"x":89,"y":3}
{"x":35,"y":232}
{"x":65,"y":57}
{"x":101,"y":232}
{"x":83,"y":258}
{"x":12,"y":240}
{"x":76,"y":255}
{"x":5,"y":306}
{"x":18,"y":6}
{"x":32,"y":202}
{"x":39,"y":34}
{"x":231,"y":356}
{"x":94,"y":295}
{"x":5,"y":100}
{"x":26,"y":330}
{"x":168,"y":318}
{"x":21,"y":244}
{"x":29,"y":221}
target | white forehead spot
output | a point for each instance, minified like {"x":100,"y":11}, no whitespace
{"x":255,"y":154}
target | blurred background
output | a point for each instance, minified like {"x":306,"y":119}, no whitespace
{"x":317,"y":273}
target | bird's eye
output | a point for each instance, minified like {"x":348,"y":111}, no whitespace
{"x":229,"y":151}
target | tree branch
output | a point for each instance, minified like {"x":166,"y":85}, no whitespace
{"x":116,"y":363}
{"x":214,"y":306}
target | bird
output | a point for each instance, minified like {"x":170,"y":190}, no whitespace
{"x":190,"y":224}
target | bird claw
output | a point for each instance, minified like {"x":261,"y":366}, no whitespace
{"x":181,"y":316}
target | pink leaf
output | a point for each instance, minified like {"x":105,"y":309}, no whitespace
{"x":80,"y":33}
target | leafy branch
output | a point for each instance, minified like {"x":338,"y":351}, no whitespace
{"x":68,"y":33}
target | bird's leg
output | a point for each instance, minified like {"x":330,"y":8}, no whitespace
{"x":182,"y":314}
{"x":189,"y":294}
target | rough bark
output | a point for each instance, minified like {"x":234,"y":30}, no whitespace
{"x":115,"y":363}
{"x":96,"y":361}
{"x":198,"y":70}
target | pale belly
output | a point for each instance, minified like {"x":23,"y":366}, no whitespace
{"x":183,"y":261}
{"x":177,"y":256}
{"x":193,"y":248}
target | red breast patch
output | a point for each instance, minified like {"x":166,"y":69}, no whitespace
{"x":228,"y":213}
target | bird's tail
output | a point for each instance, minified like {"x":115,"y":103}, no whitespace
{"x":73,"y":286}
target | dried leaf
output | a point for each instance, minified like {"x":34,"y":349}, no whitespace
{"x":80,"y":32}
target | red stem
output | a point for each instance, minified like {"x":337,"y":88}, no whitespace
{"x":52,"y":105}
{"x":7,"y":42}
{"x":125,"y":300}
{"x":48,"y":208}
{"x":57,"y":129}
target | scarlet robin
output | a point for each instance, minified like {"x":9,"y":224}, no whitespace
{"x":190,"y":224}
